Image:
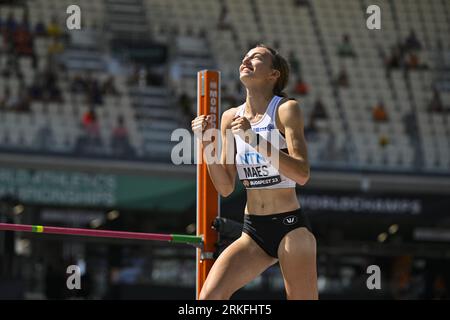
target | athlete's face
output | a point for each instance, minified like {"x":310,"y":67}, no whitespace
{"x":257,"y":64}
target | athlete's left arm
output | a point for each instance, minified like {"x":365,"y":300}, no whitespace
{"x":295,"y":164}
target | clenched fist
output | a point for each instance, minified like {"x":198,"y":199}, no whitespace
{"x":242,"y":128}
{"x":201,"y":123}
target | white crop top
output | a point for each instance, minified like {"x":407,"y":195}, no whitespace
{"x":253,"y":169}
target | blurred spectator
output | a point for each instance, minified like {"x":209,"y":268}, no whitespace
{"x":55,"y":48}
{"x":39,"y":29}
{"x":319,"y":111}
{"x":95,"y":96}
{"x":413,"y":62}
{"x":133,"y":77}
{"x":23,"y":42}
{"x":412,"y":42}
{"x":11,"y":66}
{"x":295,"y":64}
{"x":394,"y":61}
{"x":4,"y":98}
{"x":83,"y":84}
{"x":53,"y":28}
{"x":25,"y":22}
{"x":224,"y":18}
{"x":109,"y":87}
{"x":436,"y":104}
{"x":345,"y":48}
{"x":142,"y":77}
{"x":78,"y":84}
{"x":440,"y":291}
{"x":301,"y":87}
{"x":120,"y":142}
{"x":24,"y":100}
{"x":11,"y":24}
{"x":90,"y":119}
{"x":401,"y":276}
{"x":383,"y":140}
{"x":90,"y":140}
{"x":44,"y":139}
{"x":51,"y":90}
{"x":10,"y":100}
{"x":342,"y":78}
{"x":402,"y":50}
{"x":379,"y":113}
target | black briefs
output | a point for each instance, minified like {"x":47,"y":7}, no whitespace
{"x":268,"y":230}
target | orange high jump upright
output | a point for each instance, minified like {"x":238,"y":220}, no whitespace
{"x":208,"y":200}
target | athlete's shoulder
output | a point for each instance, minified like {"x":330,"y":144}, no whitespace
{"x":289,"y":105}
{"x":229,"y":114}
{"x":231,"y":110}
{"x":290,"y":112}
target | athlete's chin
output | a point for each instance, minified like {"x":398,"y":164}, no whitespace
{"x":245,"y":77}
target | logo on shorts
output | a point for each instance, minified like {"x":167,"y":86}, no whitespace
{"x":290,"y":220}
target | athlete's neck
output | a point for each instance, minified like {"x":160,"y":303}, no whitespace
{"x":257,"y":101}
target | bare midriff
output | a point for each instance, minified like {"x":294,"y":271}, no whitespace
{"x":271,"y":201}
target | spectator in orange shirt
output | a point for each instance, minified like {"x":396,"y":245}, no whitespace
{"x":412,"y":61}
{"x":301,"y":87}
{"x":439,"y":289}
{"x":379,"y":113}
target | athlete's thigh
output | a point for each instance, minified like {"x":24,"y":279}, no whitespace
{"x":297,"y":256}
{"x":239,"y":263}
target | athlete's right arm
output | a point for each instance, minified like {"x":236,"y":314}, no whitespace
{"x":222,"y":174}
